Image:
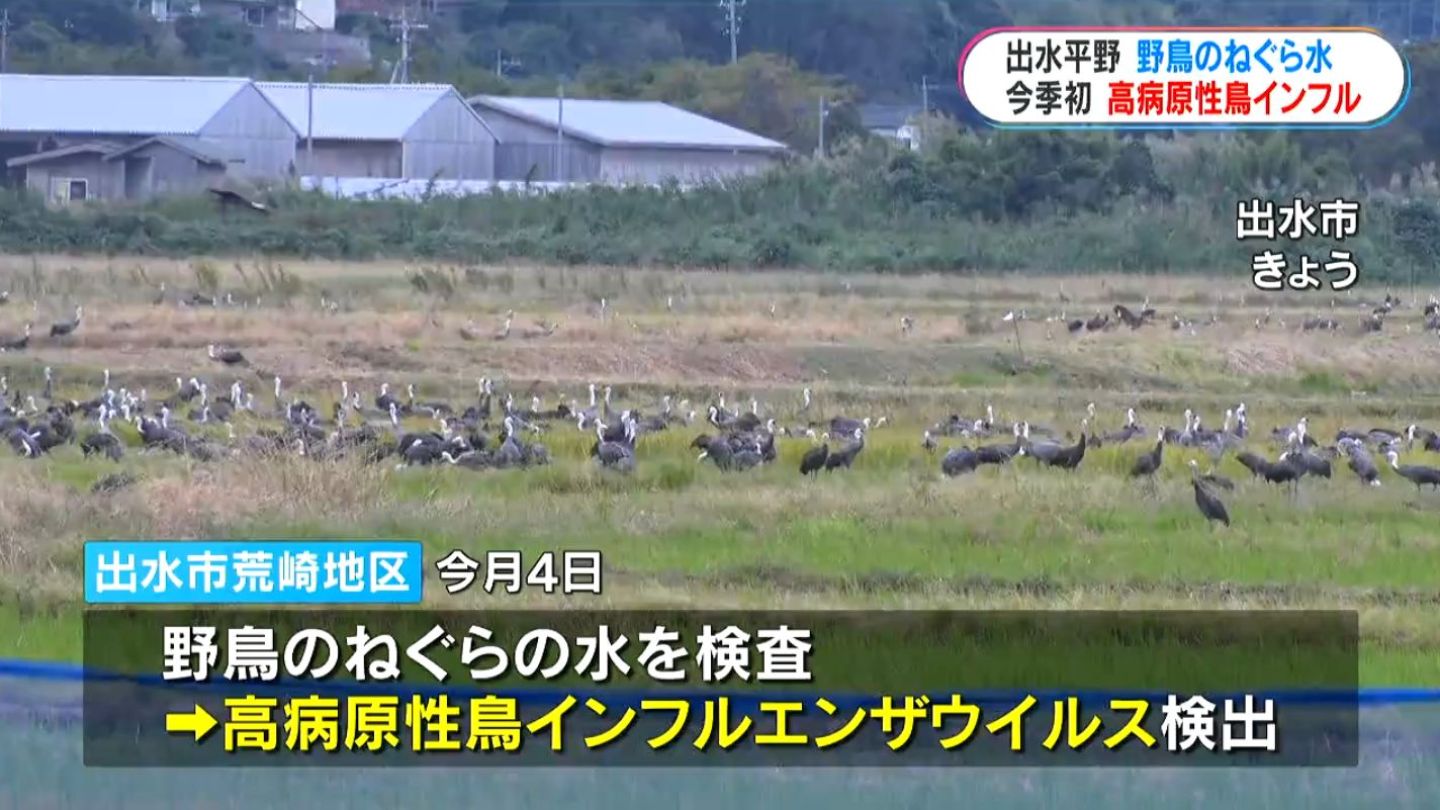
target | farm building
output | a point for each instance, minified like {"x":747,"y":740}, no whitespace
{"x":894,"y":122}
{"x":589,"y":140}
{"x":385,"y":130}
{"x":291,"y":14}
{"x":75,"y":138}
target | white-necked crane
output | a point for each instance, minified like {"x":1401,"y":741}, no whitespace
{"x":16,"y":344}
{"x":1208,"y":503}
{"x":814,"y":459}
{"x":959,"y":461}
{"x":64,"y":328}
{"x":1416,"y":474}
{"x":1148,"y":463}
{"x":103,"y":442}
{"x":230,"y":357}
{"x":845,"y":456}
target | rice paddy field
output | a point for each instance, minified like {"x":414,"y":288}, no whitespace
{"x":891,"y":532}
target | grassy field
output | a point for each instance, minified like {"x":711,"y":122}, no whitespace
{"x":892,"y":532}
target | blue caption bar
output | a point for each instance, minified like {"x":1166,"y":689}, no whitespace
{"x":253,"y":572}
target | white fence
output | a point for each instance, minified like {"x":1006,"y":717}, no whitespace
{"x":383,"y":188}
{"x":356,"y":188}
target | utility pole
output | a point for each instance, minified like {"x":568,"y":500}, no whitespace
{"x":402,"y":69}
{"x":310,"y":123}
{"x":324,"y":61}
{"x":4,"y":40}
{"x":925,"y":93}
{"x":732,"y":10}
{"x":560,"y":136}
{"x":502,"y":64}
{"x":820,"y":152}
{"x":405,"y":43}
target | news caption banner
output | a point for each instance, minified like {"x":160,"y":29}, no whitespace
{"x":1184,"y":78}
{"x":255,"y":687}
{"x":233,"y":679}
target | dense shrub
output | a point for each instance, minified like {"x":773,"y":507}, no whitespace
{"x":1035,"y":202}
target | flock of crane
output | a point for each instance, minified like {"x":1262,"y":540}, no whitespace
{"x":1300,"y":454}
{"x":739,"y":439}
{"x":735,"y":439}
{"x":1373,"y":316}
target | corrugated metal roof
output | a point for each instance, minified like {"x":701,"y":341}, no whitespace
{"x":102,"y":148}
{"x":888,"y":116}
{"x":113,"y":105}
{"x":630,"y":123}
{"x":355,"y":112}
{"x":201,"y":149}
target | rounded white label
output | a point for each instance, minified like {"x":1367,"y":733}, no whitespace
{"x":1184,"y":77}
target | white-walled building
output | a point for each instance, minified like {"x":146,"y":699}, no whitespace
{"x":591,"y":140}
{"x":396,"y":131}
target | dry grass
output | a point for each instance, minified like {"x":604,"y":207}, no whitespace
{"x":373,"y":324}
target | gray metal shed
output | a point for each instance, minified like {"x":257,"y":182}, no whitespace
{"x":105,"y":170}
{"x":173,"y":164}
{"x":618,"y":141}
{"x":228,"y":116}
{"x":74,"y":173}
{"x":404,"y":131}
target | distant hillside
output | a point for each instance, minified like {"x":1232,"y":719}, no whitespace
{"x":882,"y":48}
